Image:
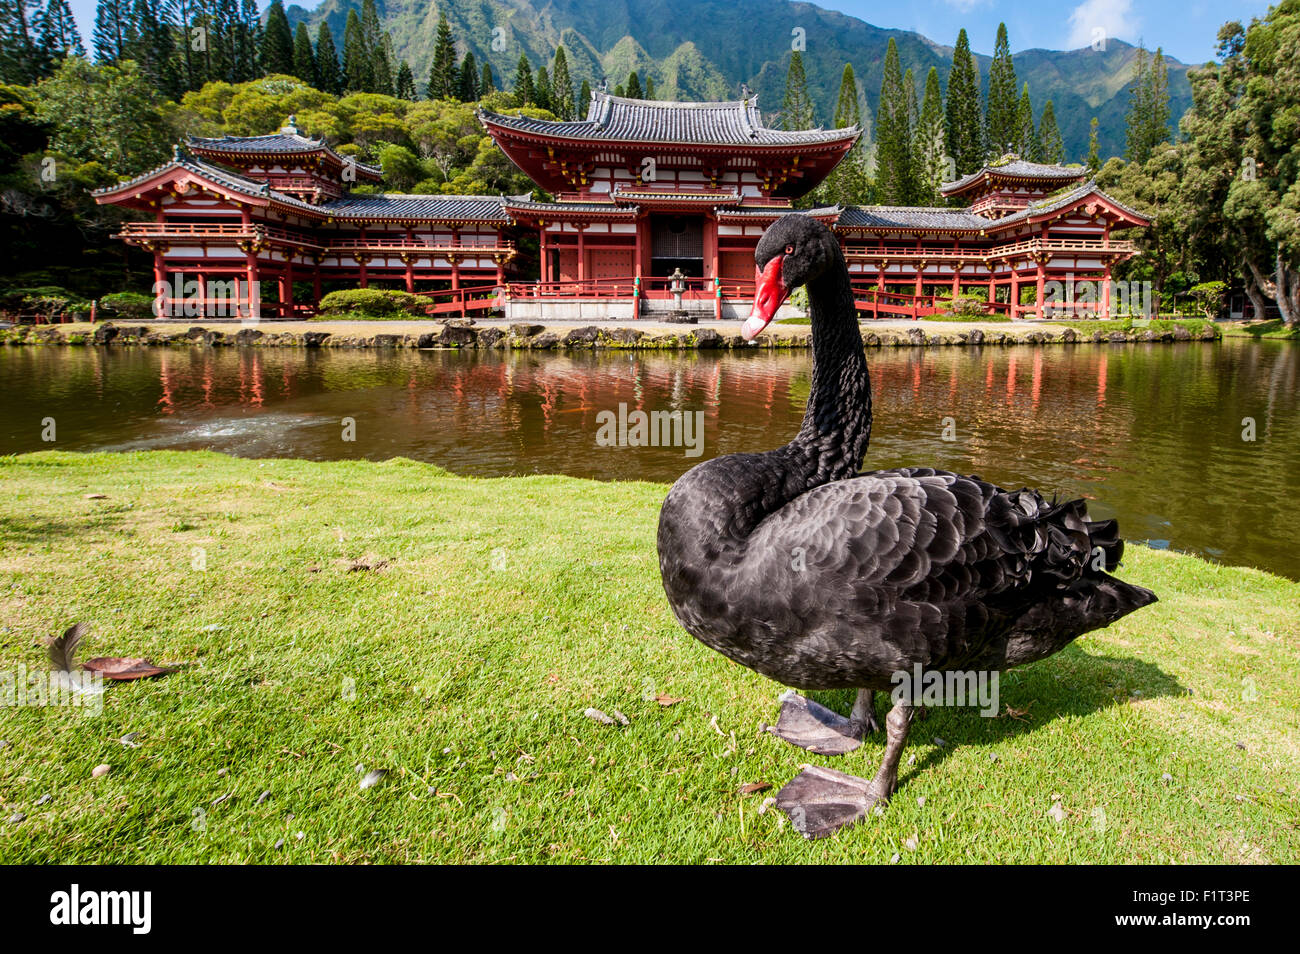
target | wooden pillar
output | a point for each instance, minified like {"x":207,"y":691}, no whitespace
{"x":286,"y":291}
{"x":545,"y":253}
{"x":1015,"y":293}
{"x":253,"y":297}
{"x":1039,"y":277}
{"x":161,"y":295}
{"x":315,"y":285}
{"x":202,"y":280}
{"x":455,"y":271}
{"x":636,"y":265}
{"x":956,"y":281}
{"x":582,"y":252}
{"x":1105,"y":293}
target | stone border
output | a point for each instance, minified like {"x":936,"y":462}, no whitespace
{"x":536,"y":337}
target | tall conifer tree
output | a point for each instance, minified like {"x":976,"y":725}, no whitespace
{"x":1002,"y":123}
{"x":893,"y":135}
{"x":962,"y":118}
{"x":796,"y":105}
{"x":1051,"y":147}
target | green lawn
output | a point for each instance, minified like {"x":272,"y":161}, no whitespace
{"x":463,"y":667}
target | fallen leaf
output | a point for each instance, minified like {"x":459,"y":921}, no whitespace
{"x":750,"y":788}
{"x":598,"y":716}
{"x":1056,"y":812}
{"x":123,"y":668}
{"x":622,"y":719}
{"x":372,"y":779}
{"x":100,"y":770}
{"x":96,"y":496}
{"x":44,"y":798}
{"x":667,"y":700}
{"x":129,"y":740}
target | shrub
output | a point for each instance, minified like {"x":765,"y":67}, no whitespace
{"x":371,"y":303}
{"x":45,"y":300}
{"x":129,"y":305}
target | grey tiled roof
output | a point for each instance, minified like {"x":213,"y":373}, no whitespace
{"x":1052,"y":203}
{"x":1015,"y":166}
{"x":443,"y":208}
{"x":617,"y":118}
{"x":602,"y":208}
{"x":219,"y":175}
{"x":287,"y":140}
{"x":911,"y":217}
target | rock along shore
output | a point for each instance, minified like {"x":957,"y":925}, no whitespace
{"x":536,"y":337}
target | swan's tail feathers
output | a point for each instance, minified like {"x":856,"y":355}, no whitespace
{"x":1056,"y":540}
{"x":1113,"y":599}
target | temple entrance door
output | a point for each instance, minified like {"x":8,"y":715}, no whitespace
{"x":677,"y":241}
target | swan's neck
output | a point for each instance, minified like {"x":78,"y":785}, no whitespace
{"x":837,"y":424}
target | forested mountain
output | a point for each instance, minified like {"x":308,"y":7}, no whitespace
{"x":704,"y":49}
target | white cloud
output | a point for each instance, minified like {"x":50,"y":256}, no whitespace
{"x":964,"y":6}
{"x":1114,"y":18}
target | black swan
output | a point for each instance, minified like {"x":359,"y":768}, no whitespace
{"x":792,"y":563}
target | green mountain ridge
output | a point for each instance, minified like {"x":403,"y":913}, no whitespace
{"x":704,"y":50}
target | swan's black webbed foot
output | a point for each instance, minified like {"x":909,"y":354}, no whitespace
{"x":812,"y":726}
{"x":819,"y":801}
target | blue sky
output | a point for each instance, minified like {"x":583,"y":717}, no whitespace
{"x":1185,"y":28}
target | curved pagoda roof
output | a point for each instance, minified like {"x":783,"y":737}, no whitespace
{"x":619,"y":119}
{"x":287,"y":141}
{"x":1011,"y":169}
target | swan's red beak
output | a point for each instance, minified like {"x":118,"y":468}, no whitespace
{"x":770,"y":294}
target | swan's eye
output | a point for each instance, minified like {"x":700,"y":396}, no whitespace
{"x":789,"y":250}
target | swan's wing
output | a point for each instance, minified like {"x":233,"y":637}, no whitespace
{"x":898,"y":567}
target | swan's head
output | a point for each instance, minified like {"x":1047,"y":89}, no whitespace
{"x":794,"y":251}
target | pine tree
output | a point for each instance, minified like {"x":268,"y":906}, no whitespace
{"x":542,"y":88}
{"x":304,"y":58}
{"x":112,"y":21}
{"x":357,"y":75}
{"x":796,"y":106}
{"x":523,"y":85}
{"x":561,"y":86}
{"x":58,"y":35}
{"x":649,"y":87}
{"x":277,"y":42}
{"x":929,"y":142}
{"x":893,"y":135}
{"x":246,"y":35}
{"x":1051,"y":148}
{"x":487,"y":83}
{"x":848,"y":182}
{"x":377,"y":50}
{"x":584,"y":98}
{"x":467,"y":90}
{"x":1003,"y":122}
{"x":1148,"y":115}
{"x":634,"y":90}
{"x":1094,"y":148}
{"x":1026,"y":135}
{"x":443,"y":81}
{"x":962,"y":122}
{"x":404,"y":85}
{"x":151,"y":45}
{"x":328,"y":78}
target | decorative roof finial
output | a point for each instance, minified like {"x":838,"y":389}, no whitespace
{"x":291,"y":125}
{"x":604,"y":84}
{"x":744,"y":91}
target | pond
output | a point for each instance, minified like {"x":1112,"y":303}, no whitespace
{"x":1192,"y":446}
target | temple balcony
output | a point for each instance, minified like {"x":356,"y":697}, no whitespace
{"x":232,"y":232}
{"x":947,"y":253}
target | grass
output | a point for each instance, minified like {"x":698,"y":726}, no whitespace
{"x":463,"y":667}
{"x":1263,"y":329}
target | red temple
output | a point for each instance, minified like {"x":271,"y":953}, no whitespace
{"x":647,"y":198}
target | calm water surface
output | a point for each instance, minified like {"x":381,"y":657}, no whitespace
{"x":1152,"y":434}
